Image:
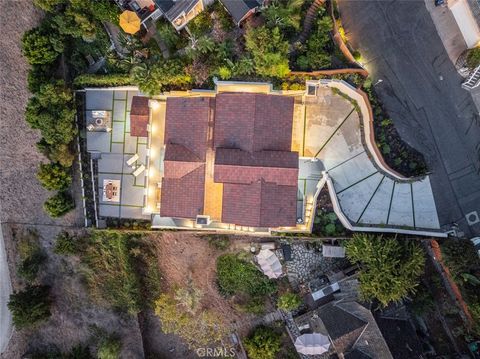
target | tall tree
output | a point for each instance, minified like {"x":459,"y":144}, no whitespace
{"x":390,"y":268}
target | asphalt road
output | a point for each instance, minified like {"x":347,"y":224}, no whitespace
{"x":421,"y":91}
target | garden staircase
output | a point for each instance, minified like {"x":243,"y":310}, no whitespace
{"x":473,"y":80}
{"x":310,"y":19}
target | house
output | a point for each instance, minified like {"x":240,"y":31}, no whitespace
{"x":244,"y":140}
{"x":177,"y":12}
{"x":350,"y":327}
{"x":240,"y":10}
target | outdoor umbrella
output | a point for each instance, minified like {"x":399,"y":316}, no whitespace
{"x":129,"y":22}
{"x":312,"y":344}
{"x":269,"y":263}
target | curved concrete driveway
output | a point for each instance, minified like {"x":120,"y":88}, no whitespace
{"x":368,"y":193}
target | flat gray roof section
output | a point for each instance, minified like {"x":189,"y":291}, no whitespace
{"x":115,"y":148}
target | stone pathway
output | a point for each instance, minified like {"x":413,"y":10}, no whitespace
{"x":308,"y":263}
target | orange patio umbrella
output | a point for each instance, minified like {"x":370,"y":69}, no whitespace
{"x":129,"y":22}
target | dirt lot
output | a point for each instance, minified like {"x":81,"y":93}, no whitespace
{"x":182,"y":256}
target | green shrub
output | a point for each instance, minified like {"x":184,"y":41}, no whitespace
{"x":53,"y":176}
{"x":473,"y":57}
{"x":40,"y":47}
{"x":94,"y":80}
{"x":59,"y":204}
{"x":51,"y":111}
{"x":30,"y":306}
{"x":201,"y":24}
{"x":31,"y":255}
{"x":238,"y":276}
{"x":109,"y":348}
{"x":269,"y":51}
{"x":65,"y":244}
{"x":289,"y":301}
{"x":58,"y":152}
{"x":263,"y":343}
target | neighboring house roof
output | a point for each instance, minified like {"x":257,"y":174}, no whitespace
{"x":238,"y":9}
{"x":139,"y":116}
{"x":186,"y":123}
{"x":260,"y":204}
{"x":343,"y":328}
{"x":253,"y":122}
{"x":351,"y":328}
{"x":173,"y":9}
{"x":183,"y":197}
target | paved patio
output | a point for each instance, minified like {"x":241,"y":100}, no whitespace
{"x":332,"y":134}
{"x":113,"y":149}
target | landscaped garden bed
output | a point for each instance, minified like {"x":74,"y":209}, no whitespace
{"x":398,"y":155}
{"x":326,"y":222}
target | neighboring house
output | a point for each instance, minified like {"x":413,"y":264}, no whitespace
{"x":177,"y":12}
{"x":349,"y":326}
{"x":467,"y":16}
{"x":240,"y":10}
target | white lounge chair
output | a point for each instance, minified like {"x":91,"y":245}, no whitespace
{"x":138,"y":171}
{"x":132,"y":159}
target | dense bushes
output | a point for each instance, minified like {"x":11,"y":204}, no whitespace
{"x":269,"y":51}
{"x":59,"y":204}
{"x":289,"y":301}
{"x":316,"y":53}
{"x":30,"y":306}
{"x":53,"y":176}
{"x":31,"y":255}
{"x":238,"y":276}
{"x":93,"y":80}
{"x":263,"y":343}
{"x":390,"y":268}
{"x":473,"y":57}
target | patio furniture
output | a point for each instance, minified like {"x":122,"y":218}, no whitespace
{"x":138,"y":171}
{"x":132,"y":160}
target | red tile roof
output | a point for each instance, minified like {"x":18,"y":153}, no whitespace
{"x":237,"y":166}
{"x":186,"y":123}
{"x":139,"y":116}
{"x":183,"y":184}
{"x":253,"y":122}
{"x":183,"y":197}
{"x":260,"y":204}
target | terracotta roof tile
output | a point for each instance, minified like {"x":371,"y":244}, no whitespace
{"x":183,"y":197}
{"x":139,"y":116}
{"x":186,"y":123}
{"x":253,"y":122}
{"x":259,"y":204}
